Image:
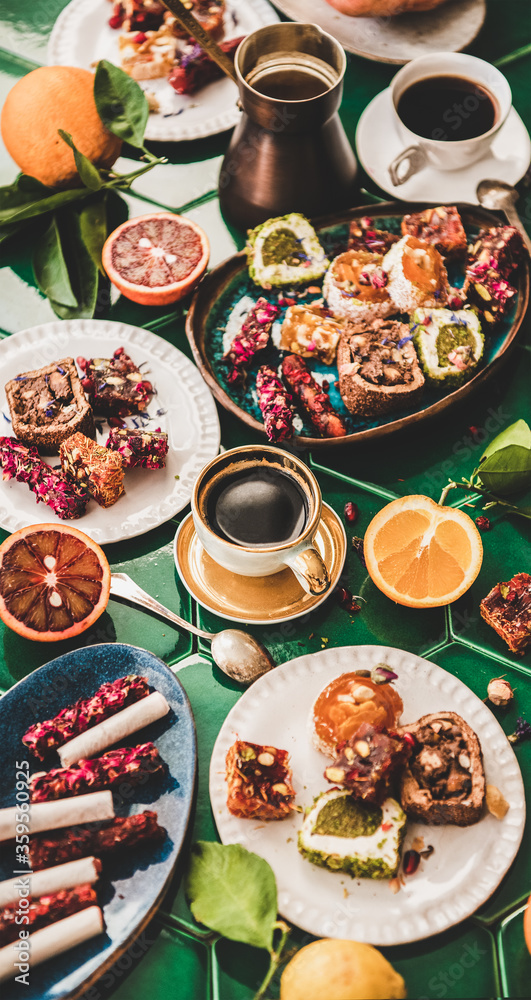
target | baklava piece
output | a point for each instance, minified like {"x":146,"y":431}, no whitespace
{"x":47,"y":405}
{"x":507,"y":608}
{"x":94,"y":468}
{"x":258,"y":781}
{"x":355,"y":287}
{"x":443,"y":781}
{"x":139,"y":449}
{"x":367,"y":763}
{"x":378,"y":368}
{"x":310,"y":332}
{"x":114,"y":385}
{"x":441,"y":227}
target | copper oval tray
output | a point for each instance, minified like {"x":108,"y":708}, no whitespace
{"x":217,"y":281}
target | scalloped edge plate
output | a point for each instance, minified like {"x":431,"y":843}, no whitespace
{"x":468,"y":863}
{"x":81,"y":36}
{"x":190,"y":420}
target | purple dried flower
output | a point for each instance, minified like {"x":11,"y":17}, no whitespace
{"x":382,"y":674}
{"x":522,"y":731}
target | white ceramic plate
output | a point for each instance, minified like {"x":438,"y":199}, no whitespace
{"x":468,"y":863}
{"x":449,"y":28}
{"x":378,"y":142}
{"x":188,"y":415}
{"x":81,"y":36}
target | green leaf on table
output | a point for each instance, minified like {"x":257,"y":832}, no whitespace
{"x":518,"y":433}
{"x":82,"y":270}
{"x":121,"y":103}
{"x":50,"y":268}
{"x":89,"y":174}
{"x":507,"y":470}
{"x":93,"y":228}
{"x":233,"y":892}
{"x":36,"y":207}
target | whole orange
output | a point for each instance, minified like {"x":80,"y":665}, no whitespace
{"x":43,"y":101}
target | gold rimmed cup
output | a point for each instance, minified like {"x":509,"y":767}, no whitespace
{"x":267,"y":557}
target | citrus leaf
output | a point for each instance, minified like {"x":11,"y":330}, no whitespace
{"x":82,"y":270}
{"x":507,"y":470}
{"x":518,"y":433}
{"x":121,"y":103}
{"x":89,"y":174}
{"x":50,"y":269}
{"x":93,"y":228}
{"x":40,"y":207}
{"x":233,"y":892}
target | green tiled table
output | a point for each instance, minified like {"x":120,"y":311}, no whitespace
{"x":485,"y":956}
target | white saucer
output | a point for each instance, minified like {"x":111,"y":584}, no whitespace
{"x":377,"y":144}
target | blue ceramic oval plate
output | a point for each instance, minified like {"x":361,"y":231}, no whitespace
{"x":132,"y":884}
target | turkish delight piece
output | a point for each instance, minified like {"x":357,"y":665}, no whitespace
{"x":258,"y":781}
{"x":345,"y":835}
{"x":507,"y":608}
{"x":274,"y":402}
{"x":417,"y":275}
{"x":355,"y":287}
{"x":253,"y":337}
{"x":311,"y":398}
{"x":500,"y":248}
{"x":378,"y":368}
{"x":115,"y":385}
{"x":44,"y":910}
{"x":442,"y":227}
{"x":285,"y":251}
{"x":66,"y":499}
{"x":139,"y":449}
{"x":56,"y":848}
{"x":194,"y":68}
{"x":367,"y":763}
{"x":133,"y":765}
{"x":364,"y":236}
{"x":95,"y":468}
{"x":137,"y":15}
{"x":489,"y":293}
{"x":449,"y":344}
{"x":148,"y":55}
{"x":111,"y":697}
{"x":311,"y":332}
{"x":48,"y":404}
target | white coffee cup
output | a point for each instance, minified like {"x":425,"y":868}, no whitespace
{"x":299,"y":553}
{"x":437,"y":151}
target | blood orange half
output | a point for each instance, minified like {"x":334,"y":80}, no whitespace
{"x":156,"y":259}
{"x":54,"y":582}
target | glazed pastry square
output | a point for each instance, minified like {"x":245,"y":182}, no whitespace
{"x":258,"y":781}
{"x":310,"y":332}
{"x":94,"y":468}
{"x":48,"y":404}
{"x":507,"y":609}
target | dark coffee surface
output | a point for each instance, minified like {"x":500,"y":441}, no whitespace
{"x":257,"y":507}
{"x":290,"y":85}
{"x":447,"y":108}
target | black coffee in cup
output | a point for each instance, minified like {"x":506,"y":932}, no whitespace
{"x":447,"y":108}
{"x":257,"y":507}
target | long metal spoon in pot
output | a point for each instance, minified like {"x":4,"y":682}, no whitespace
{"x":501,"y":197}
{"x":238,"y":654}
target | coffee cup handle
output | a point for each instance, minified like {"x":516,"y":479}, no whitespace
{"x":310,"y":571}
{"x":415,"y":158}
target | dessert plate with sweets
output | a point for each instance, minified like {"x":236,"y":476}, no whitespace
{"x":102,"y":742}
{"x":377,"y":319}
{"x":188,"y":95}
{"x":381,"y":790}
{"x":102,"y":422}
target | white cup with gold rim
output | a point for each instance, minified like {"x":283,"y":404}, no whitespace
{"x":299,"y":553}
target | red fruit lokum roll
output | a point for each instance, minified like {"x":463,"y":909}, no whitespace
{"x":128,"y":764}
{"x":139,"y":449}
{"x":311,"y":398}
{"x":45,"y":910}
{"x":67,"y":845}
{"x":87,"y":712}
{"x":274,"y":402}
{"x":252,"y":338}
{"x":66,"y":499}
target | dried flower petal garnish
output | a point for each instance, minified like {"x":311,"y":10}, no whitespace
{"x":382,"y":674}
{"x":522,"y":731}
{"x":66,"y":499}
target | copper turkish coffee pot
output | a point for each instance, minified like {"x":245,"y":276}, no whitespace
{"x":289,"y":152}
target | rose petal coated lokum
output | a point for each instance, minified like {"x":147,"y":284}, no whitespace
{"x":274,"y":402}
{"x":311,"y":397}
{"x":252,"y":338}
{"x":131,"y":765}
{"x":66,"y":499}
{"x":95,"y":468}
{"x":45,"y":910}
{"x":139,"y":449}
{"x":82,"y":841}
{"x":114,"y":385}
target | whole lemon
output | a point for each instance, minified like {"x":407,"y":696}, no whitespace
{"x":340,"y":970}
{"x":40,"y":103}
